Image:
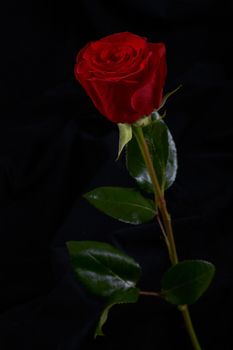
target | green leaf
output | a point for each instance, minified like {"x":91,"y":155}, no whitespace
{"x":125,"y":135}
{"x":131,"y":296}
{"x":102,"y":320}
{"x":124,"y":204}
{"x":106,"y":272}
{"x":102,"y":268}
{"x":185,"y":282}
{"x":163,"y":152}
{"x":136,"y":166}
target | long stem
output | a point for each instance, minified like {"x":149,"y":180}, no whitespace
{"x":158,"y":192}
{"x":160,"y":200}
{"x":189,"y":327}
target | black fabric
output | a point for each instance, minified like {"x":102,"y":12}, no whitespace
{"x":54,"y":147}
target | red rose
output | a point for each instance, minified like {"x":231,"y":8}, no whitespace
{"x":124,"y":75}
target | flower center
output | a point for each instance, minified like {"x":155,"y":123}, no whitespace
{"x":115,"y":55}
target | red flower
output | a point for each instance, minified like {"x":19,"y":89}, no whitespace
{"x":124,"y":75}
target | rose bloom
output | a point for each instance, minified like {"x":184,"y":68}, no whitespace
{"x":124,"y":75}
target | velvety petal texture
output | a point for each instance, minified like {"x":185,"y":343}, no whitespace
{"x":124,"y":75}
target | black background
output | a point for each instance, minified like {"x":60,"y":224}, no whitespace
{"x":54,"y":146}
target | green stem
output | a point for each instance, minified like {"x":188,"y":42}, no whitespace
{"x":158,"y":193}
{"x":160,"y":200}
{"x":189,"y":327}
